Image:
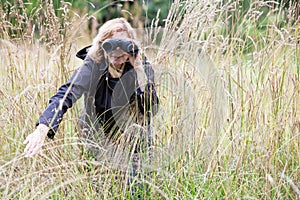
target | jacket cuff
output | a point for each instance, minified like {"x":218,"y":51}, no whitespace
{"x":51,"y":132}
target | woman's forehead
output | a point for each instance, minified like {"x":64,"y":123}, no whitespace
{"x":120,"y":34}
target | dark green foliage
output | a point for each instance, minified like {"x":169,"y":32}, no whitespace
{"x":144,"y":10}
{"x":152,"y":9}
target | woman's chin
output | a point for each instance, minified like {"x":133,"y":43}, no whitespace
{"x":117,"y":63}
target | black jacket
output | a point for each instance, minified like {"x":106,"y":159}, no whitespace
{"x":101,"y":94}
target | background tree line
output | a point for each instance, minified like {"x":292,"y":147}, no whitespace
{"x":22,"y":18}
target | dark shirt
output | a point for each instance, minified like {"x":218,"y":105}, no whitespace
{"x":105,"y":95}
{"x":102,"y":94}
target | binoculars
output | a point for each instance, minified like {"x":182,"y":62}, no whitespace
{"x":126,"y":45}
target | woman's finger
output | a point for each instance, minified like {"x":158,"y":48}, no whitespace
{"x":40,"y":153}
{"x":34,"y":150}
{"x":28,"y":147}
{"x":27,"y":139}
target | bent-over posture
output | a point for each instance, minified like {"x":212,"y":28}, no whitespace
{"x":117,"y":83}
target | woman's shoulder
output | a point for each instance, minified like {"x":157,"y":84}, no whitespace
{"x":82,"y":53}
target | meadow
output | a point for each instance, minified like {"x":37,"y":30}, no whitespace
{"x":228,"y":125}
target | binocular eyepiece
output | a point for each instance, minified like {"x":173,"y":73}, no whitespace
{"x":126,"y":45}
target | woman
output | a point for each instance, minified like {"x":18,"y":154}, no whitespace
{"x":117,"y":84}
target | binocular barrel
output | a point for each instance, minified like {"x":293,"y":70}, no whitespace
{"x":127,"y":46}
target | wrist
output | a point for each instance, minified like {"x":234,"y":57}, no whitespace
{"x":43,"y":129}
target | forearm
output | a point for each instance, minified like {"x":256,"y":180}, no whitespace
{"x":52,"y":117}
{"x":64,"y":99}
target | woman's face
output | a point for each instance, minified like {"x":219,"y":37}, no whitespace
{"x":118,"y":56}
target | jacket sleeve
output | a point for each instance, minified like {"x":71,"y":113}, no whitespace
{"x":66,"y":96}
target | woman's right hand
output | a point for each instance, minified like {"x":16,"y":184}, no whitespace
{"x":35,"y":140}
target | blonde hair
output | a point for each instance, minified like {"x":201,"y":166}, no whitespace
{"x":106,"y":31}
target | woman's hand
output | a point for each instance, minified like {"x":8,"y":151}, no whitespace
{"x":35,"y":140}
{"x":137,"y":63}
{"x":136,"y":60}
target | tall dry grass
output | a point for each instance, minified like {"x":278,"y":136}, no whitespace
{"x":229,"y":119}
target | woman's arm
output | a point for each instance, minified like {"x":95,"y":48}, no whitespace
{"x":146,"y":93}
{"x":66,"y":96}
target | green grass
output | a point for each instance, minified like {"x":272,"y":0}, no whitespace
{"x":228,"y":125}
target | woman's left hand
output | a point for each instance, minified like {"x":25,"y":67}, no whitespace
{"x":136,"y":60}
{"x":137,"y":63}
